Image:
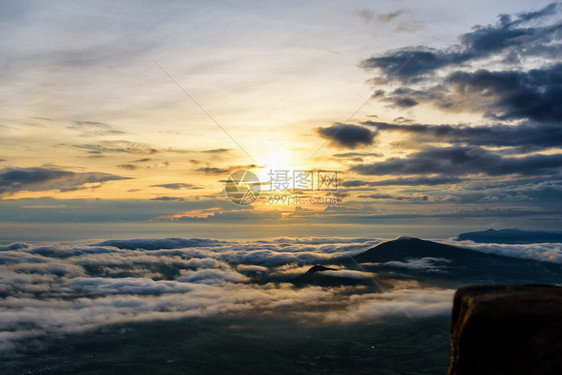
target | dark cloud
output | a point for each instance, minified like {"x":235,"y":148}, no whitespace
{"x":360,"y":154}
{"x":412,"y":198}
{"x":232,"y":168}
{"x":408,"y":181}
{"x":118,"y":147}
{"x":549,"y":10}
{"x":525,"y":136}
{"x":229,"y":216}
{"x":157,"y":244}
{"x":412,"y":62}
{"x":461,"y":161}
{"x":402,"y":120}
{"x":213,"y":170}
{"x":168,"y":198}
{"x":130,"y":167}
{"x":511,"y":236}
{"x":217,"y":151}
{"x":507,"y":95}
{"x":542,"y":193}
{"x":40,"y":179}
{"x":502,"y":95}
{"x":51,"y":210}
{"x":177,"y":186}
{"x":347,"y":136}
{"x":126,"y":147}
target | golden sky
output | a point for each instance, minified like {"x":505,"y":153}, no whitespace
{"x":157,"y":103}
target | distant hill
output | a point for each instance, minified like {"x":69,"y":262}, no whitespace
{"x":432,"y":262}
{"x":318,"y":268}
{"x":511,"y":236}
{"x":406,"y":247}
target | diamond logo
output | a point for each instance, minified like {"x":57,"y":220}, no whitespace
{"x":242,"y":187}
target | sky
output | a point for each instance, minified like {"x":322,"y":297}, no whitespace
{"x":432,"y":117}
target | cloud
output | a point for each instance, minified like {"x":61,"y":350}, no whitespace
{"x":412,"y":302}
{"x":348,"y":274}
{"x":511,"y":236}
{"x":126,"y":147}
{"x":94,"y":210}
{"x":369,"y":15}
{"x":462,"y":161}
{"x":129,"y":167}
{"x":450,"y":79}
{"x":347,"y":136}
{"x":126,"y":285}
{"x":177,"y":186}
{"x":500,"y":95}
{"x":119,"y":147}
{"x":168,"y":198}
{"x":523,"y":136}
{"x":69,"y":288}
{"x":213,"y":170}
{"x":425,"y":263}
{"x":212,"y":276}
{"x":42,"y":179}
{"x":408,"y":181}
{"x":157,"y":244}
{"x":248,"y":268}
{"x":416,"y":197}
{"x":217,"y":151}
{"x":410,"y":63}
{"x":358,"y":154}
{"x":549,"y":252}
{"x":507,"y":94}
{"x":94,"y":128}
{"x":224,"y":170}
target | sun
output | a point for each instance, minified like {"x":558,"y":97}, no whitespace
{"x":277,"y":158}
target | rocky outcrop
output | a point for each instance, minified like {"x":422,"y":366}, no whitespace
{"x":507,"y":329}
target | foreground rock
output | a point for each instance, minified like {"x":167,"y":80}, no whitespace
{"x":507,"y":329}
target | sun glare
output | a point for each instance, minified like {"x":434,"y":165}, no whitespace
{"x":277,"y":159}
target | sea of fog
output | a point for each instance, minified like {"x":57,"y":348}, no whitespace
{"x":66,"y":287}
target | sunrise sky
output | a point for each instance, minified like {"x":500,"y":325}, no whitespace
{"x":432,"y":113}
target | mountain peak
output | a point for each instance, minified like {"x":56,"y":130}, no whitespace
{"x":404,"y":238}
{"x":409,"y":247}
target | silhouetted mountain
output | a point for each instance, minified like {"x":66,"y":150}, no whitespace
{"x":406,"y":247}
{"x":318,"y":268}
{"x":435,"y":263}
{"x":511,"y":236}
